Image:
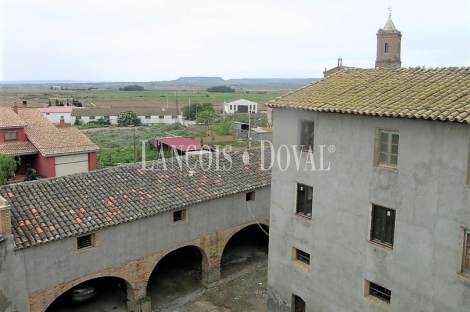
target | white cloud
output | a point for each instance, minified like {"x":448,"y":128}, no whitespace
{"x":155,"y":40}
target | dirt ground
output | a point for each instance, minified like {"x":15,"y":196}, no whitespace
{"x":242,"y":288}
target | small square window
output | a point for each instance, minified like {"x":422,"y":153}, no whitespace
{"x":47,"y":114}
{"x":179,"y":215}
{"x":11,"y":136}
{"x":304,"y":200}
{"x":466,"y":253}
{"x":92,"y":117}
{"x":106,"y":117}
{"x":306,"y":135}
{"x":85,"y":241}
{"x":387,"y":148}
{"x":78,"y":117}
{"x":298,"y":304}
{"x":379,"y":292}
{"x":173,"y":117}
{"x":301,"y":256}
{"x":250,"y":196}
{"x":383,"y":225}
{"x":147,"y":117}
{"x":161,"y":117}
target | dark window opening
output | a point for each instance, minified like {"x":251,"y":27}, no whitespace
{"x":306,"y":135}
{"x":178,"y":215}
{"x":302,"y":256}
{"x":11,"y":136}
{"x":147,"y":117}
{"x":161,"y":117}
{"x":78,"y":117}
{"x":386,"y":47}
{"x":383,"y":225}
{"x":466,"y":253}
{"x":250,"y":196}
{"x":85,"y":241}
{"x":304,"y":200}
{"x":92,"y":117}
{"x":106,"y":117}
{"x":380,"y":292}
{"x":173,"y":117}
{"x":299,"y":304}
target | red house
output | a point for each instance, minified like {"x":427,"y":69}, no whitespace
{"x":36,"y":143}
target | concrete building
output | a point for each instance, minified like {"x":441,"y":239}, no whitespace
{"x":55,"y":113}
{"x":240,"y":106}
{"x":36,"y":143}
{"x":148,"y":116}
{"x":120,"y":222}
{"x":379,"y":218}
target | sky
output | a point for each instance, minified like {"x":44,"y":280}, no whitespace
{"x":153,"y":40}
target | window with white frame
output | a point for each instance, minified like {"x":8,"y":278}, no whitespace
{"x":466,"y":252}
{"x":387,"y":148}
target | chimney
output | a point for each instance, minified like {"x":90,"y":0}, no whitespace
{"x":5,"y":217}
{"x":62,"y":122}
{"x":25,"y":104}
{"x":15,"y":108}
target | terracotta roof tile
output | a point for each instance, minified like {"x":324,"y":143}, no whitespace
{"x":49,"y":139}
{"x":9,"y":119}
{"x":17,"y":148}
{"x":61,"y":203}
{"x":437,"y":94}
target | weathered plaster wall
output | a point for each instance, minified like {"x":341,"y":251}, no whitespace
{"x":428,"y":192}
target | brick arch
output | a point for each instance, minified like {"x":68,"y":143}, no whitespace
{"x":238,"y":229}
{"x":158,"y":257}
{"x":42,"y":300}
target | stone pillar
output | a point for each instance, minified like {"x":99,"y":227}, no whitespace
{"x":210,"y":275}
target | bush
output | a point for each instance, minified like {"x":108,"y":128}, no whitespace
{"x":221,"y":89}
{"x":7,"y":167}
{"x":132,"y":88}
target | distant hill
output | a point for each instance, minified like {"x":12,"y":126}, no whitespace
{"x":201,"y":80}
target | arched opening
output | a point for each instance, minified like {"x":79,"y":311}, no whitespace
{"x":247,"y":247}
{"x":176,"y":275}
{"x":386,"y":47}
{"x":98,"y":294}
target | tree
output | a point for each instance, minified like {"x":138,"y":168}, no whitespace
{"x":221,"y":89}
{"x":128,"y":118}
{"x":206,"y":117}
{"x":7,"y":167}
{"x":191,"y":111}
{"x":132,"y":88}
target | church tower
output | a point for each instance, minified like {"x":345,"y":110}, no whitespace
{"x":388,"y":46}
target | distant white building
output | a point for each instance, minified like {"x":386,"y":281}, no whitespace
{"x":148,"y":116}
{"x":240,"y":106}
{"x":53,"y":113}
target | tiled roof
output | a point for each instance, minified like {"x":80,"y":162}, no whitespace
{"x":241,"y":102}
{"x":56,"y":109}
{"x":181,"y":143}
{"x":140,"y":111}
{"x":17,"y":148}
{"x":9,"y":119}
{"x":49,"y":139}
{"x":47,"y":210}
{"x":436,"y":94}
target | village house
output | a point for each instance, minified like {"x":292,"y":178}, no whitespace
{"x":147,"y":116}
{"x":56,"y":113}
{"x":386,"y":225}
{"x":240,"y":106}
{"x":37,"y":144}
{"x":120,"y":222}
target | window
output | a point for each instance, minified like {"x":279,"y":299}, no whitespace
{"x":466,"y":253}
{"x":85,"y":241}
{"x":173,"y":117}
{"x":386,"y":47}
{"x":179,"y":215}
{"x":92,"y":117}
{"x":78,"y":117}
{"x":387,"y":148}
{"x":47,"y":114}
{"x":161,"y":117}
{"x":230,"y":107}
{"x":301,"y":256}
{"x":106,"y":117}
{"x":306,"y":135}
{"x":304,"y":200}
{"x":11,"y":136}
{"x":379,"y":292}
{"x":298,"y":304}
{"x":250,"y":196}
{"x":383,"y":225}
{"x":147,"y":117}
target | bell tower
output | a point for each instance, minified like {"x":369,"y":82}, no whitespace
{"x":388,"y":46}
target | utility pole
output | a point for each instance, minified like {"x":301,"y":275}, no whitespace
{"x":134,"y":149}
{"x":249,"y":129}
{"x":177,"y":106}
{"x":167,"y":101}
